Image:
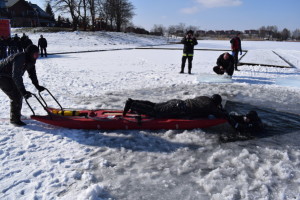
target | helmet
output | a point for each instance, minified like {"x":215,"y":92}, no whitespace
{"x":252,"y":115}
{"x":217,"y":99}
{"x":31,"y":49}
{"x":190,"y":32}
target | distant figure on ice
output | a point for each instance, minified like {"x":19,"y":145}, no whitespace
{"x":236,"y":47}
{"x":246,"y":126}
{"x":225,"y":64}
{"x":11,"y":81}
{"x":189,"y":42}
{"x":42,"y":44}
{"x":199,"y":107}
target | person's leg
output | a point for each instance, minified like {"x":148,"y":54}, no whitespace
{"x":217,"y":70}
{"x":236,"y":59}
{"x":45,"y":49}
{"x":146,"y":108}
{"x":183,"y":60}
{"x":230,"y":71}
{"x":136,"y":105}
{"x":190,"y":60}
{"x":171,"y":109}
{"x":8,"y":86}
{"x":42,"y":54}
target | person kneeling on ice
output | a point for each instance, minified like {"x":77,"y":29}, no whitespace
{"x":11,"y":81}
{"x":199,"y":107}
{"x":246,"y":126}
{"x":225,"y":64}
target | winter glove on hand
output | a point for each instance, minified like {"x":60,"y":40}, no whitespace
{"x":27,"y":95}
{"x":40,"y":88}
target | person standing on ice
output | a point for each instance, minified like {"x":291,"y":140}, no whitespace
{"x":225,"y":64}
{"x":199,"y":107}
{"x":42,"y":44}
{"x":236,"y":47}
{"x":12,"y":70}
{"x":189,"y":42}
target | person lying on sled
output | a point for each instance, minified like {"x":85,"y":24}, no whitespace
{"x":246,"y":125}
{"x":199,"y":107}
{"x":225,"y":64}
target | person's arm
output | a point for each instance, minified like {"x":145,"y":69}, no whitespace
{"x":219,"y":60}
{"x":183,"y":41}
{"x":17,"y":73}
{"x":39,"y":43}
{"x":240,"y":45}
{"x":46,"y":44}
{"x":195,"y":41}
{"x":32,"y":75}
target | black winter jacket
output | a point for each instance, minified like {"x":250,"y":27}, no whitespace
{"x":203,"y":106}
{"x":15,"y":66}
{"x":189,"y":44}
{"x":226,"y":64}
{"x":42,"y":43}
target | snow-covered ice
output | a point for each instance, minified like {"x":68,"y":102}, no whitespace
{"x":40,"y":161}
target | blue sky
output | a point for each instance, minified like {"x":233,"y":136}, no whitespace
{"x":216,"y":14}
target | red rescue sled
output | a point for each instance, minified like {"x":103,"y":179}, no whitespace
{"x":113,"y":120}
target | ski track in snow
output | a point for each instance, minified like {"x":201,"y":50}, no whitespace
{"x":40,"y":161}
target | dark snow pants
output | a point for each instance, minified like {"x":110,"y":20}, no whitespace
{"x":43,"y":51}
{"x":235,"y":54}
{"x":190,"y":59}
{"x":229,"y":71}
{"x":170,"y":109}
{"x":8,"y":86}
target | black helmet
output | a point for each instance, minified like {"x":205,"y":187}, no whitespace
{"x":217,"y":99}
{"x":252,"y":115}
{"x":190,"y":32}
{"x":31,"y":49}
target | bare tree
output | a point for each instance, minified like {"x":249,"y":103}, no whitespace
{"x":69,"y":6}
{"x":296,"y":34}
{"x":285,"y":34}
{"x":92,"y":13}
{"x":123,"y":13}
{"x":158,"y":29}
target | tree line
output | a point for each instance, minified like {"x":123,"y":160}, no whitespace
{"x":88,"y":14}
{"x":264,"y":32}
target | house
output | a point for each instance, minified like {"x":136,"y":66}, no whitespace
{"x":25,"y":14}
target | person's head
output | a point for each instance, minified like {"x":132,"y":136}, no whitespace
{"x":251,"y":116}
{"x":190,"y":33}
{"x":238,"y":34}
{"x":217,"y":99}
{"x":226,"y":56}
{"x":32,"y":51}
{"x":16,"y":35}
{"x":24,"y":34}
{"x":42,"y":36}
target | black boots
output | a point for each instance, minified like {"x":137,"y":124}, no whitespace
{"x":17,"y":123}
{"x":127,"y":106}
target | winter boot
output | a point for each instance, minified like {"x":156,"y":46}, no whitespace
{"x":18,"y":123}
{"x":127,"y":106}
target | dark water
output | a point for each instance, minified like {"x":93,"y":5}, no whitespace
{"x":276,"y":122}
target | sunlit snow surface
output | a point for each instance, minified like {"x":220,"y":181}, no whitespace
{"x":40,"y":161}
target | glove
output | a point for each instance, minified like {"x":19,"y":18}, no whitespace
{"x":40,"y":88}
{"x":27,"y":95}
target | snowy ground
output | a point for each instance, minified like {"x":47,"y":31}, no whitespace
{"x":44,"y":162}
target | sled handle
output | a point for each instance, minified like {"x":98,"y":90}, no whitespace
{"x":52,"y":97}
{"x":38,"y":101}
